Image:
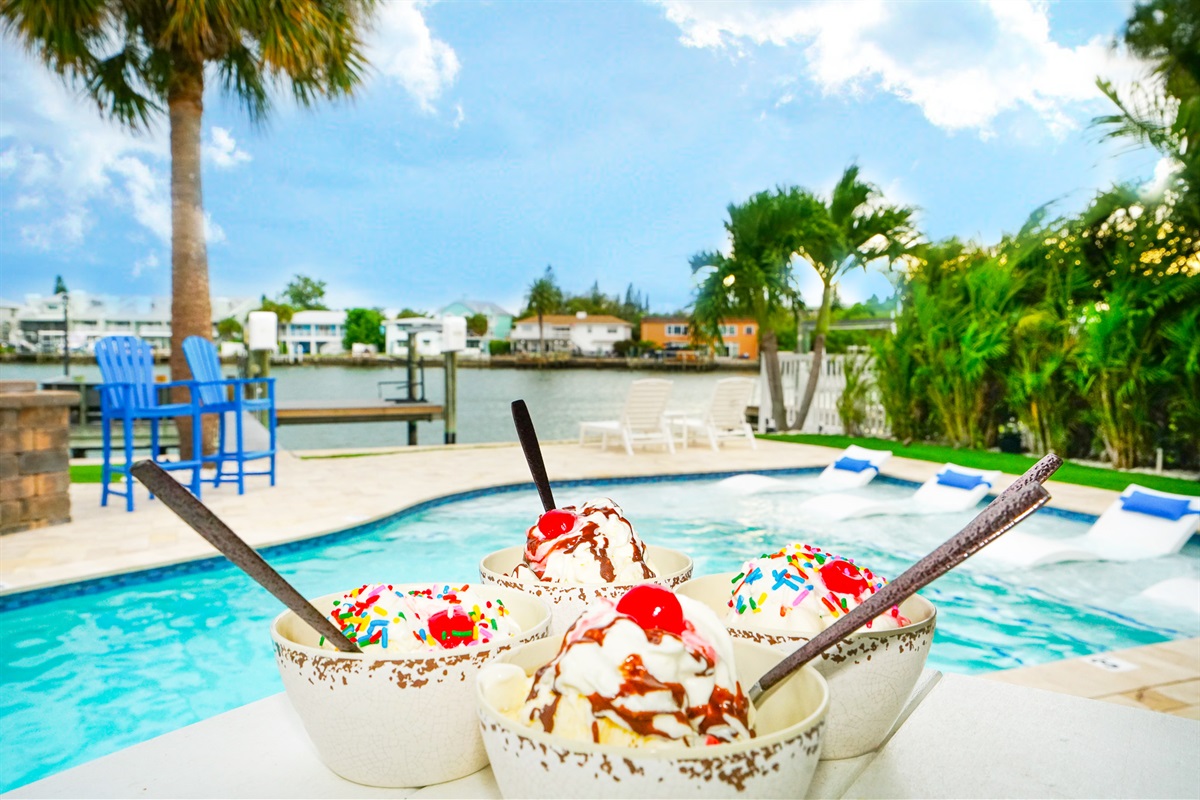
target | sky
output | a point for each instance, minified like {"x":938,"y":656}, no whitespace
{"x":605,"y":139}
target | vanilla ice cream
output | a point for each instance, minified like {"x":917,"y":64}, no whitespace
{"x":592,"y":543}
{"x":441,"y":617}
{"x":654,"y":669}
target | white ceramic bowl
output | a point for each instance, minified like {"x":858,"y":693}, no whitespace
{"x":871,"y":674}
{"x":394,"y":720}
{"x":568,"y":600}
{"x":778,"y":762}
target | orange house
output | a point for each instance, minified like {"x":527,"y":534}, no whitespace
{"x":739,"y":336}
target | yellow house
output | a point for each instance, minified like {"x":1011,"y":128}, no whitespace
{"x":739,"y":336}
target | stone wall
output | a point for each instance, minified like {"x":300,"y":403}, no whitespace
{"x":34,"y":463}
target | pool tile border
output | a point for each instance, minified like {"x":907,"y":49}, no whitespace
{"x":211,"y":563}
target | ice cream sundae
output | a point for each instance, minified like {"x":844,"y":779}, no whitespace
{"x":804,"y":589}
{"x":592,"y":543}
{"x":651,"y":670}
{"x":440,"y":617}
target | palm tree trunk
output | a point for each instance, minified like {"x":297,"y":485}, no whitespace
{"x":818,"y":352}
{"x":770,"y":356}
{"x":191,"y":308}
{"x":541,"y":337}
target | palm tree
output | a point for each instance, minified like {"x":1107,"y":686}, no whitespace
{"x":162,"y":50}
{"x":864,"y":229}
{"x":755,"y":279}
{"x":544,"y":298}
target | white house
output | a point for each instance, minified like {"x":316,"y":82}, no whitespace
{"x":38,"y":324}
{"x":579,"y":334}
{"x":314,"y":333}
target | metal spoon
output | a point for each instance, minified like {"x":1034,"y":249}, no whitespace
{"x":204,"y":522}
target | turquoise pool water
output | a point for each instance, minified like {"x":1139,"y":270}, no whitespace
{"x":92,"y":670}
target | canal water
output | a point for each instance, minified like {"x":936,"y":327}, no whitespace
{"x":558,"y":399}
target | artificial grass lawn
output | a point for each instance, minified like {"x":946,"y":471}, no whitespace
{"x":1011,"y":463}
{"x":87,"y":473}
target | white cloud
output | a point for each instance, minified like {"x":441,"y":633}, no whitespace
{"x":403,"y":49}
{"x":963,"y":64}
{"x":222,"y":151}
{"x":67,"y":160}
{"x":143,"y":264}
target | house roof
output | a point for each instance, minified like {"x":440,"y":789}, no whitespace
{"x":571,"y":319}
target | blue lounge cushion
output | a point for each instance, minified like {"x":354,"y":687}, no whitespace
{"x":853,"y":464}
{"x":1171,"y":508}
{"x":959,"y":480}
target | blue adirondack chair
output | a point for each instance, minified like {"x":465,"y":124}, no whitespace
{"x":129,"y":394}
{"x":227,"y":396}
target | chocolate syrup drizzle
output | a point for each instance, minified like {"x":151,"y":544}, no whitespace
{"x":723,"y":704}
{"x":588,"y":535}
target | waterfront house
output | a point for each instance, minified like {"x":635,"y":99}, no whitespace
{"x":314,"y":333}
{"x":8,"y":320}
{"x":500,"y":322}
{"x":38,"y":325}
{"x":580,"y":334}
{"x":739,"y":337}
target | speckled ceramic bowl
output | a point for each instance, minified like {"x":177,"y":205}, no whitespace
{"x":870,"y":674}
{"x":568,"y":600}
{"x":778,"y":762}
{"x":394,"y":720}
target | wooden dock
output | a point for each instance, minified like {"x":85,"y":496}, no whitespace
{"x":316,"y":412}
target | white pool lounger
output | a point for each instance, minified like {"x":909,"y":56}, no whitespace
{"x":954,"y":488}
{"x":1142,"y":523}
{"x":854,"y":468}
{"x":1180,"y":592}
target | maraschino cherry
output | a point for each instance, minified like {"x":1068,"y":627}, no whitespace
{"x":653,"y":608}
{"x":451,"y":629}
{"x":843,"y":577}
{"x":555,"y":523}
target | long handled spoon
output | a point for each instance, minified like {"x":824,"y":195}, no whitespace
{"x":218,"y":534}
{"x":533,"y":453}
{"x":1013,"y":505}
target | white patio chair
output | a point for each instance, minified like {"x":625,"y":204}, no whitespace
{"x":725,"y":417}
{"x":854,"y":468}
{"x":642,"y":420}
{"x":1126,"y":531}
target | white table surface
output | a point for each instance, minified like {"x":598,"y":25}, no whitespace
{"x":959,"y":737}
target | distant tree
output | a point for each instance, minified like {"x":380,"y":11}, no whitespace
{"x":856,"y":227}
{"x":230,"y":330}
{"x":755,"y":279}
{"x":364,"y":326}
{"x":545,"y":297}
{"x":305,"y":294}
{"x":137,"y":60}
{"x":477,"y":325}
{"x":1163,"y":112}
{"x":407,"y":313}
{"x":283,"y":311}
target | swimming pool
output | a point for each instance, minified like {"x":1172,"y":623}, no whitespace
{"x":92,"y":668}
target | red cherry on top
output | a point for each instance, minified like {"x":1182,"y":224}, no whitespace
{"x":556,"y":522}
{"x":653,"y":608}
{"x":451,"y":628}
{"x":843,"y":577}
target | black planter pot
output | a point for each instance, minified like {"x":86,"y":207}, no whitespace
{"x":1010,"y":443}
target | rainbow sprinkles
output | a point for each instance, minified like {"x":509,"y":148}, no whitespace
{"x":428,"y":618}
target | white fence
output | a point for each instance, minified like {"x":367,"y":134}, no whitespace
{"x":823,"y":414}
